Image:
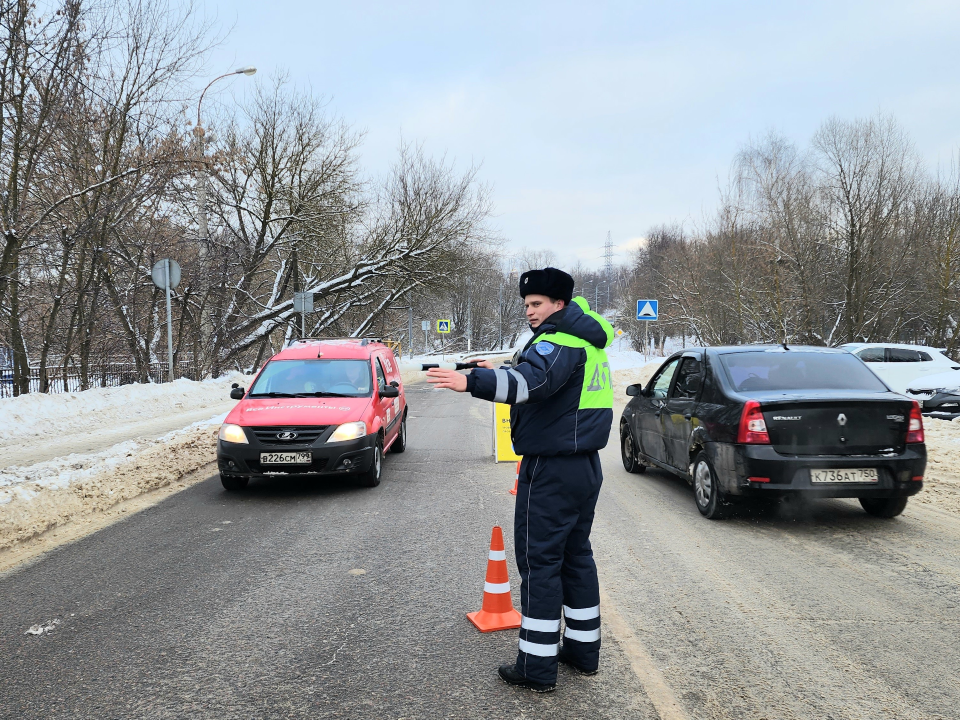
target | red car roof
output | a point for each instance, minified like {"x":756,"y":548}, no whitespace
{"x":330,"y":349}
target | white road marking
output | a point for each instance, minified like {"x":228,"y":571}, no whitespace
{"x":643,"y":666}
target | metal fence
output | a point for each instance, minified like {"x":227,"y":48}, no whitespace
{"x":69,"y":379}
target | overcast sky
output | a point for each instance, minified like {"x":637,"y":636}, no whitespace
{"x":596,"y":117}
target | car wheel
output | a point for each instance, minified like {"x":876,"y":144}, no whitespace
{"x":400,"y":444}
{"x":233,"y":483}
{"x":884,"y":507}
{"x":371,"y":478}
{"x":706,"y":489}
{"x":628,"y":452}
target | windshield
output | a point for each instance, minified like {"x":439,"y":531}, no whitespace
{"x":313,"y":378}
{"x":797,"y":370}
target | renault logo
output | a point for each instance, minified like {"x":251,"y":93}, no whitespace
{"x":841,"y":419}
{"x":286,"y":436}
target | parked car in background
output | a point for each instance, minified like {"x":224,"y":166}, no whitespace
{"x":938,"y":395}
{"x":317,"y":408}
{"x":900,"y":365}
{"x":769,"y":421}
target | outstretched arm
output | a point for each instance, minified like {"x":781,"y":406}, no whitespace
{"x":451,"y":379}
{"x":543,"y":372}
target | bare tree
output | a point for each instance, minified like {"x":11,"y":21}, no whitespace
{"x":847,"y":241}
{"x":870,"y":173}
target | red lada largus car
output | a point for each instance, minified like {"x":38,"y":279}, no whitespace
{"x":318,"y":408}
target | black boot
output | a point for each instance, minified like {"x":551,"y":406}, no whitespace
{"x":510,"y":675}
{"x":579,"y":669}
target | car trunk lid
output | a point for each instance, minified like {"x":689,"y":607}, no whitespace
{"x":826,"y":426}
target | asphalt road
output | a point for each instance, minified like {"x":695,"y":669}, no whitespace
{"x":298,"y":600}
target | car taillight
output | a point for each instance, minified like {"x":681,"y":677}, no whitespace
{"x":753,"y":429}
{"x":915,"y":429}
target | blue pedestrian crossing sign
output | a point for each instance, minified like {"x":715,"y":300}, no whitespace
{"x":647,"y":309}
{"x":443,"y":326}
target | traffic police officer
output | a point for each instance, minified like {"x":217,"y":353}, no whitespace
{"x":562,"y":410}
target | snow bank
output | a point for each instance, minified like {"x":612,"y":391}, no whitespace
{"x":627,"y":359}
{"x":38,"y":415}
{"x":634,"y":375}
{"x":941,"y":482}
{"x":39,"y":497}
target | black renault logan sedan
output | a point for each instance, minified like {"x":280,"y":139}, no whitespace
{"x":762,"y":421}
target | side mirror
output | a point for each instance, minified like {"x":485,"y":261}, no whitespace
{"x":634,"y":390}
{"x":395,"y":383}
{"x":237,"y":393}
{"x":390,"y":392}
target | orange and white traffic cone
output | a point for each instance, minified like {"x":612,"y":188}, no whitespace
{"x":516,"y":480}
{"x":497,"y":611}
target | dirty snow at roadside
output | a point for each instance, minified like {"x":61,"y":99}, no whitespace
{"x":25,"y":483}
{"x":36,"y":496}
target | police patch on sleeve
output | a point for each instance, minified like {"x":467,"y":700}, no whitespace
{"x":544,"y":348}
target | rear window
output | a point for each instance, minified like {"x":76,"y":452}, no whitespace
{"x":792,"y":370}
{"x":313,"y":378}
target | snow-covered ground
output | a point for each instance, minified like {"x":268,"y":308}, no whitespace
{"x":132,"y":439}
{"x":40,"y":417}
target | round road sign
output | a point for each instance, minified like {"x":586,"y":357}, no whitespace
{"x":159,"y":274}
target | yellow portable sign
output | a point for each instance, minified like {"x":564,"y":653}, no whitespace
{"x":503,"y":445}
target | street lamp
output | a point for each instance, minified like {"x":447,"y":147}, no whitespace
{"x":199,"y":132}
{"x":248,"y":70}
{"x":205,"y":324}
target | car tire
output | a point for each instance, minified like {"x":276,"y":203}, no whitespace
{"x":706,"y":489}
{"x":884,"y":507}
{"x":371,"y":478}
{"x":400,"y":443}
{"x":628,"y":452}
{"x":233,"y":483}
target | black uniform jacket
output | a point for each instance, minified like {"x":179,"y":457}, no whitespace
{"x":544,"y":387}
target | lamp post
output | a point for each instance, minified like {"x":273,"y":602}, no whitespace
{"x":198,"y":131}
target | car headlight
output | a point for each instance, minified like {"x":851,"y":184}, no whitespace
{"x":233,"y":434}
{"x":349,"y":431}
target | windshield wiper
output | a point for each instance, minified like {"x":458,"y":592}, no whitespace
{"x":323,"y":394}
{"x":272,"y":394}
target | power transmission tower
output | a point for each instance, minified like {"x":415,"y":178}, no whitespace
{"x":608,"y":263}
{"x":608,"y":257}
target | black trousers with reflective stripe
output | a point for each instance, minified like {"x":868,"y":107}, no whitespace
{"x":556,"y":500}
